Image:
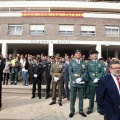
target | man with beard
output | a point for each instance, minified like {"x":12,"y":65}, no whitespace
{"x":108,"y":93}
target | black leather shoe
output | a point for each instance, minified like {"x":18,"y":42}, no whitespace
{"x":83,"y":114}
{"x":88,"y":112}
{"x":32,"y":97}
{"x":60,"y":104}
{"x":71,"y":115}
{"x":47,"y":97}
{"x":15,"y":83}
{"x":11,"y":83}
{"x":52,"y":103}
{"x":39,"y":97}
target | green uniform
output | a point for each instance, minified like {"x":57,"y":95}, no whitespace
{"x":57,"y":71}
{"x":95,"y":70}
{"x":76,"y":71}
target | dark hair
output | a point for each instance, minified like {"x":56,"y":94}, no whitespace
{"x":114,"y":62}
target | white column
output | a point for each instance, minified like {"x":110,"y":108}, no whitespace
{"x":4,"y":49}
{"x":98,"y":48}
{"x":50,"y":49}
{"x":14,"y":51}
{"x":116,"y":54}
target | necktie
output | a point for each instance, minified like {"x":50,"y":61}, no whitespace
{"x":118,"y":80}
{"x":78,"y":62}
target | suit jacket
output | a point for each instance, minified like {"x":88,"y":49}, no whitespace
{"x":80,"y":69}
{"x":108,"y":98}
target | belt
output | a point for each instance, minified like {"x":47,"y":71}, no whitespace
{"x":78,"y":75}
{"x":95,"y":74}
{"x":57,"y":73}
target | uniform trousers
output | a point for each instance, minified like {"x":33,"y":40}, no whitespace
{"x":48,"y":82}
{"x":54,"y":86}
{"x":38,"y":82}
{"x":92,"y":96}
{"x":73,"y":91}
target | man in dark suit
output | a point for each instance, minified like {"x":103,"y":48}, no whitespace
{"x":36,"y":72}
{"x":2,"y":65}
{"x":48,"y":76}
{"x":108,"y":93}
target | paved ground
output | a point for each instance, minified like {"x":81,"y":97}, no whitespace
{"x":25,"y":108}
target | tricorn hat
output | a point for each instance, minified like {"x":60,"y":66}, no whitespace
{"x":94,"y":52}
{"x":77,"y":51}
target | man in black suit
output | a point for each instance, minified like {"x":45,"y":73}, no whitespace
{"x":36,"y":73}
{"x":2,"y":65}
{"x":48,"y":76}
{"x":108,"y":93}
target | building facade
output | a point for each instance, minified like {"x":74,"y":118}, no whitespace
{"x":49,"y":27}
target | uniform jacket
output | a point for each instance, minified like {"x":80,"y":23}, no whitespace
{"x":66,"y":73}
{"x":95,"y":70}
{"x":37,"y":69}
{"x":57,"y":69}
{"x":48,"y":66}
{"x":108,"y":98}
{"x":75,"y":68}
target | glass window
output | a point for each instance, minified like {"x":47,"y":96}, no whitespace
{"x":36,"y":29}
{"x":111,"y":31}
{"x":15,"y":29}
{"x":87,"y":30}
{"x":66,"y":29}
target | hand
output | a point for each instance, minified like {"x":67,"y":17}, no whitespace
{"x":35,"y":75}
{"x":81,"y":82}
{"x":56,"y":79}
{"x":78,"y":80}
{"x":95,"y":80}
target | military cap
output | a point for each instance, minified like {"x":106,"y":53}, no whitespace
{"x":57,"y":55}
{"x":94,"y":51}
{"x":77,"y":51}
{"x":36,"y":58}
{"x":52,"y":57}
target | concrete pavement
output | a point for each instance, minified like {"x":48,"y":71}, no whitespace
{"x":25,"y":108}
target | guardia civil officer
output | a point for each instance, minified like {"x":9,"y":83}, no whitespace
{"x":36,"y":73}
{"x":95,"y":71}
{"x":2,"y":65}
{"x":77,"y":71}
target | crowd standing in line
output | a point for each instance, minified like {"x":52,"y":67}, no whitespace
{"x":82,"y":73}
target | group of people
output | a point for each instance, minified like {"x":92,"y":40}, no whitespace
{"x":89,"y":77}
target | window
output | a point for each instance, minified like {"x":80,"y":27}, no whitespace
{"x":111,"y":31}
{"x":15,"y":29}
{"x":66,"y":29}
{"x":36,"y":29}
{"x":87,"y":30}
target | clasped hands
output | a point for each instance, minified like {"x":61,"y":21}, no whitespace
{"x":95,"y":80}
{"x":35,"y":75}
{"x":79,"y":81}
{"x":56,"y":79}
